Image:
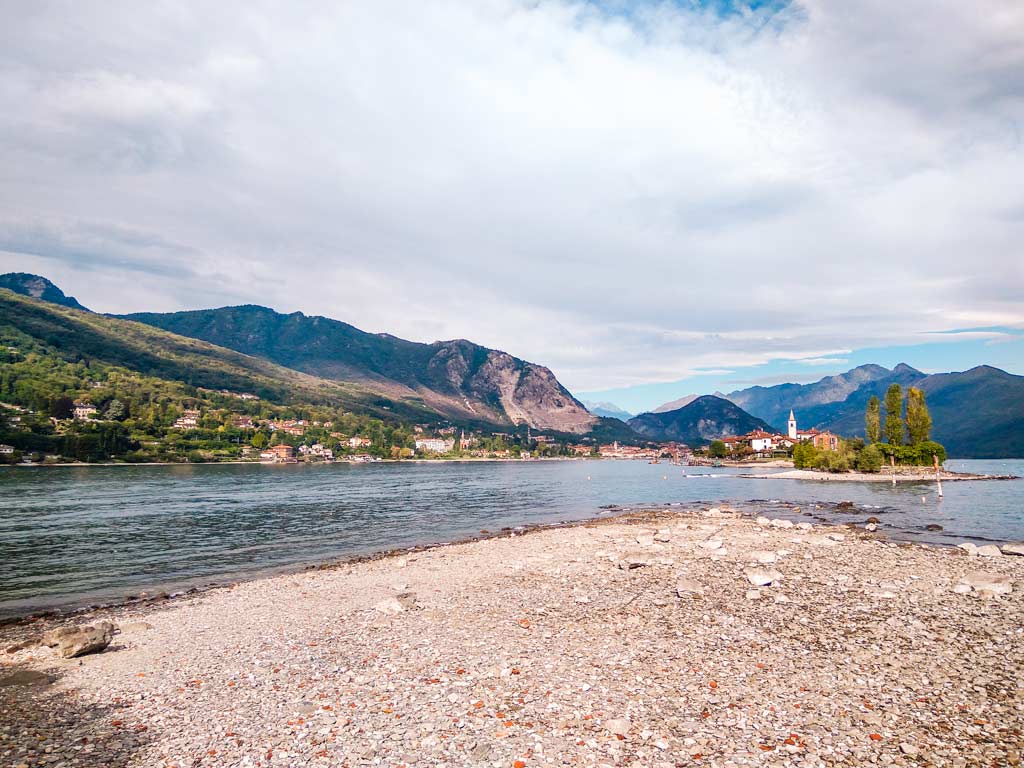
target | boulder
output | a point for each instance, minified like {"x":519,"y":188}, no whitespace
{"x":712,"y":544}
{"x":761,"y":577}
{"x":763,"y":556}
{"x":780,"y":523}
{"x":968,"y":547}
{"x":72,"y":642}
{"x":989,"y":550}
{"x":634,"y":560}
{"x":1014,"y":548}
{"x":645,"y":538}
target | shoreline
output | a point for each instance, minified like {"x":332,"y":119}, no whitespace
{"x":880,"y":477}
{"x":649,"y":636}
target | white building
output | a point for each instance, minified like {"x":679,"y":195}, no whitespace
{"x":6,"y":450}
{"x":434,"y":444}
{"x":84,"y":411}
{"x":792,"y":425}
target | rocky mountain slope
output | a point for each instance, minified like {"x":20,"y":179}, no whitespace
{"x":38,"y":288}
{"x":698,"y":422}
{"x":458,"y":379}
{"x":608,"y":410}
{"x":675,"y":405}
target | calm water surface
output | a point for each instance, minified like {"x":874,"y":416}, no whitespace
{"x":70,"y":536}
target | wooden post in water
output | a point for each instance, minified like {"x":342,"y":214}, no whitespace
{"x":938,"y":477}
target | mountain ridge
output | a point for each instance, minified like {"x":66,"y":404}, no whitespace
{"x":699,"y":422}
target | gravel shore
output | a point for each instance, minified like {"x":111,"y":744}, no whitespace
{"x":657,"y":640}
{"x":876,"y":477}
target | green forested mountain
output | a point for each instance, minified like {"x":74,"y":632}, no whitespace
{"x":698,"y":423}
{"x":38,"y":288}
{"x":458,"y":379}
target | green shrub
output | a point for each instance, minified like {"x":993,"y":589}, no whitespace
{"x":869,"y":459}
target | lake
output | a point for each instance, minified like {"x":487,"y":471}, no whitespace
{"x":70,"y":536}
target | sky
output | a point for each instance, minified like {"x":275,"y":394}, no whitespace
{"x":650,"y":198}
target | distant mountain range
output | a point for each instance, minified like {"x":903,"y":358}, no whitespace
{"x":453,"y":380}
{"x":698,"y":422}
{"x":976,"y":414}
{"x":608,"y":410}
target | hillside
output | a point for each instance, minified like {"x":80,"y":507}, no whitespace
{"x":54,"y":335}
{"x":457,"y":379}
{"x":698,"y":422}
{"x":976,"y":414}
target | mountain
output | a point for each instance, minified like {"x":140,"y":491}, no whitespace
{"x":675,"y":405}
{"x":774,"y":403}
{"x":458,"y":379}
{"x":38,"y":288}
{"x":976,"y":414}
{"x":49,"y":338}
{"x":698,"y":422}
{"x":608,"y":410}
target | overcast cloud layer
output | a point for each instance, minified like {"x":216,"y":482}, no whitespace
{"x":625,"y":195}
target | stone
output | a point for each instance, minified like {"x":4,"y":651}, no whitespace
{"x":761,"y":577}
{"x":962,"y":589}
{"x":874,"y":520}
{"x":72,"y":642}
{"x":1014,"y":548}
{"x":135,"y":626}
{"x":761,"y":520}
{"x":836,"y":536}
{"x":989,"y":550}
{"x":712,"y":544}
{"x":779,"y":523}
{"x":618,"y":726}
{"x":805,"y":526}
{"x":390,"y":605}
{"x":25,"y":677}
{"x":933,"y":527}
{"x":908,"y":749}
{"x":645,"y":539}
{"x":983,"y":581}
{"x":20,"y":646}
{"x":763,"y":556}
{"x":753,"y":594}
{"x":968,"y":547}
{"x":686,"y":587}
{"x":663,"y":537}
{"x":872,"y":527}
{"x":633,"y":560}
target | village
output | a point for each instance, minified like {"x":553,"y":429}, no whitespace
{"x":295,"y":440}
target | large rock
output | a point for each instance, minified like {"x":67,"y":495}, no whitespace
{"x":989,"y":550}
{"x":1014,"y":548}
{"x":763,"y":556}
{"x":617,"y":725}
{"x":72,"y":642}
{"x":685,"y":587}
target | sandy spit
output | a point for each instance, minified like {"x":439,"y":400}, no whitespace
{"x":640,"y":641}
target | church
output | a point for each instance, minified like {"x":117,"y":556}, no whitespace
{"x":826,"y":441}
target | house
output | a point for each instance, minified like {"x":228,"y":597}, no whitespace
{"x":6,"y":450}
{"x":359,"y":442}
{"x":825,"y":441}
{"x":187,"y":420}
{"x":434,"y":444}
{"x":279,"y":452}
{"x":244,"y":422}
{"x":760,"y":441}
{"x":83,"y":410}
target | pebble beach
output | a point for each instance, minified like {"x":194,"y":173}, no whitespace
{"x":657,"y":639}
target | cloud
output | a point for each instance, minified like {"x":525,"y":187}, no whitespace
{"x":823,"y":361}
{"x":626,"y":192}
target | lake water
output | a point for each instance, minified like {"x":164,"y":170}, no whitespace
{"x":76,"y":535}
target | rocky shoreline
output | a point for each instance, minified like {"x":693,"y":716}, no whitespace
{"x":651,"y":639}
{"x":884,"y":476}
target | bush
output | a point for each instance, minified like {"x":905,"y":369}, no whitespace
{"x":805,"y":456}
{"x":869,"y":459}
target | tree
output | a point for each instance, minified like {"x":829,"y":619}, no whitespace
{"x":717,"y":450}
{"x":116,"y":410}
{"x":869,"y":459}
{"x":873,"y":420}
{"x":259,"y":440}
{"x":894,"y":414}
{"x":62,"y":408}
{"x":919,"y":421}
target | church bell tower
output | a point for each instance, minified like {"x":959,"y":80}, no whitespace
{"x":792,"y":425}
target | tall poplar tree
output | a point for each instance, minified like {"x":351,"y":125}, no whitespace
{"x":894,"y":415}
{"x":919,"y":421}
{"x":873,"y":420}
